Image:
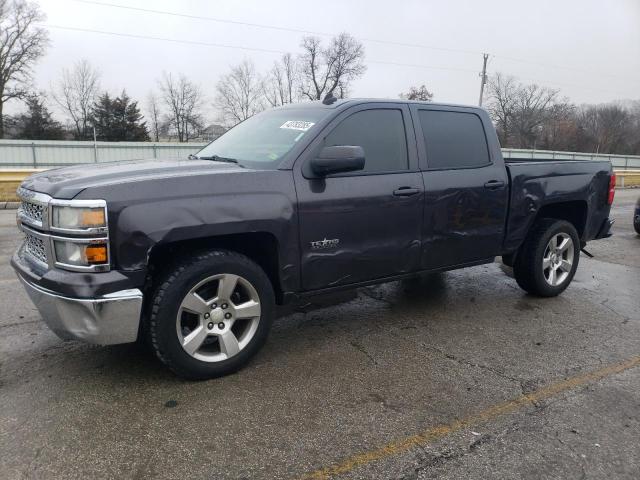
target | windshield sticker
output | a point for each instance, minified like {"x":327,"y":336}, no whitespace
{"x":297,"y":125}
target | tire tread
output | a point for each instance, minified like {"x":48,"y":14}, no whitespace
{"x":526,"y":264}
{"x":171,"y":276}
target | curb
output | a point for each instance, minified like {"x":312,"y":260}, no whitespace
{"x":9,"y":205}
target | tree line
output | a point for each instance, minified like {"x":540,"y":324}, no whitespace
{"x":175,"y":109}
{"x":534,"y":117}
{"x":525,"y":115}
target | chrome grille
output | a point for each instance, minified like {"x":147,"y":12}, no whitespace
{"x":34,"y":246}
{"x":32,"y":211}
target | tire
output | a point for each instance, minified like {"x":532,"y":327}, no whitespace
{"x":221,"y":326}
{"x":636,"y":224}
{"x":541,"y":268}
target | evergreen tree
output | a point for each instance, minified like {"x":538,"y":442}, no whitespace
{"x":103,"y":118}
{"x":37,"y":123}
{"x":118,"y":119}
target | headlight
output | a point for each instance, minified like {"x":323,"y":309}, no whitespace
{"x":81,"y":254}
{"x":78,"y":218}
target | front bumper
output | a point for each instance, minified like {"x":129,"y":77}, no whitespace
{"x":106,"y":320}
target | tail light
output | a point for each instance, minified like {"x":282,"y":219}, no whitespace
{"x":612,"y":189}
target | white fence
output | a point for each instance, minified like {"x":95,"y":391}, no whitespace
{"x":619,"y":162}
{"x":54,"y":153}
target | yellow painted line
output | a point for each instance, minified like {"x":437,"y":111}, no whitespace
{"x":399,"y":446}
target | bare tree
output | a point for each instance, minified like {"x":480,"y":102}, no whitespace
{"x":520,"y":112}
{"x":280,"y":84}
{"x":607,"y":129}
{"x":560,"y":130}
{"x":331,"y":69}
{"x":184,"y":100}
{"x":418,"y":93}
{"x":239,"y":93}
{"x":154,"y":113}
{"x":501,"y":92}
{"x":75,"y":94}
{"x":534,"y":107}
{"x":22,"y":42}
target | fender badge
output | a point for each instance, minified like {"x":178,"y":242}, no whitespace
{"x":324,"y":244}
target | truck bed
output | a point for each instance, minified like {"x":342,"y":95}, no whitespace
{"x":535,"y":183}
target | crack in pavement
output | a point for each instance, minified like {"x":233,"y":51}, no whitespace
{"x":358,"y":346}
{"x":436,"y":433}
{"x":462,"y":361}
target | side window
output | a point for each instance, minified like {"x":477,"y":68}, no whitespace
{"x":453,"y":139}
{"x":380,"y":133}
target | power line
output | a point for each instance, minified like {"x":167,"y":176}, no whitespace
{"x":236,"y":47}
{"x":265,"y":50}
{"x":312,"y":32}
{"x":419,"y":65}
{"x":162,"y":39}
{"x":201,"y":17}
{"x":572,"y":85}
{"x":271,"y":27}
{"x":562,"y":67}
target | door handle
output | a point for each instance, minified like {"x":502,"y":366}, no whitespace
{"x":406,"y":191}
{"x":494,"y":184}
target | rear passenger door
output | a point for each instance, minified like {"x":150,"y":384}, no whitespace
{"x":366,"y":224}
{"x":466,"y":190}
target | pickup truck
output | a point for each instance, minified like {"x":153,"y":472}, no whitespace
{"x":195,"y":255}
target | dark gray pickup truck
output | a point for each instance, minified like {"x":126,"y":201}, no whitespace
{"x":194,"y":255}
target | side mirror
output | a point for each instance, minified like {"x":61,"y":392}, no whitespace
{"x":338,"y":159}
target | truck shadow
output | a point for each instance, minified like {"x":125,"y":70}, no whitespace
{"x":122,"y":365}
{"x":137,"y":360}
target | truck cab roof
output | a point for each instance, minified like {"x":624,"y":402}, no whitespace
{"x":347,"y":102}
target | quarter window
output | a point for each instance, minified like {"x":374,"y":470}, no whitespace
{"x":453,"y":139}
{"x":380,"y":133}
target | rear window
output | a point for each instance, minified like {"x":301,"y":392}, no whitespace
{"x":453,"y":139}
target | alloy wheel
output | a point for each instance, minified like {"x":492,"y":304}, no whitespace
{"x":558,"y":259}
{"x":218,"y":317}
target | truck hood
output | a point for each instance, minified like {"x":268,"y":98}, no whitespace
{"x":67,"y":182}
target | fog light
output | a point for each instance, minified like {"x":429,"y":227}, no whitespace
{"x":96,"y":254}
{"x":81,"y":254}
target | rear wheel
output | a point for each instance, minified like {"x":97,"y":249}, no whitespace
{"x":548,"y":259}
{"x":636,"y":224}
{"x":211,"y":314}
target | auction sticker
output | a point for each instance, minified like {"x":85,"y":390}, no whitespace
{"x":297,"y":125}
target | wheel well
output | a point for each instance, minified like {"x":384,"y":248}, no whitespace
{"x":573,"y":212}
{"x":261,"y":247}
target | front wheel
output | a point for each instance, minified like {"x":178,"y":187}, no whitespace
{"x":211,"y":314}
{"x":548,"y":259}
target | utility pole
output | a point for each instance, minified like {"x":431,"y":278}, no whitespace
{"x":483,"y":76}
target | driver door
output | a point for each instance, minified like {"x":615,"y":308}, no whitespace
{"x":362,"y":225}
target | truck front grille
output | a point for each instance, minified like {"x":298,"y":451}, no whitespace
{"x":34,"y":246}
{"x":32,"y":211}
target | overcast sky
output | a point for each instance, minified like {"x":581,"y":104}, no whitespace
{"x":590,"y":49}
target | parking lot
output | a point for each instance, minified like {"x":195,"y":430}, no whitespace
{"x":457,"y":375}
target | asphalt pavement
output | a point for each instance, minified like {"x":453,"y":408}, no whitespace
{"x":454,"y":376}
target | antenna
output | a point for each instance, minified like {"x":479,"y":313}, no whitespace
{"x":329,"y":99}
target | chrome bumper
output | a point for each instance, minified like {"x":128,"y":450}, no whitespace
{"x":106,"y":320}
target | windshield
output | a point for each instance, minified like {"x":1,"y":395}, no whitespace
{"x":264,"y":139}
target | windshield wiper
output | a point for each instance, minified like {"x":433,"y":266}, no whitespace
{"x":218,"y":158}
